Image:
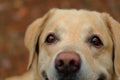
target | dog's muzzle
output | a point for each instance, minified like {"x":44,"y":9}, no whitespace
{"x":67,"y":66}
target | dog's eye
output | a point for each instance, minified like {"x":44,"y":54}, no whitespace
{"x":95,"y":41}
{"x":51,"y":38}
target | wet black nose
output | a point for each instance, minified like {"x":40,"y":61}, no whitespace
{"x":67,"y":62}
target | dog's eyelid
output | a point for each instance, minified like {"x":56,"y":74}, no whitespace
{"x":95,"y":41}
{"x":51,"y":38}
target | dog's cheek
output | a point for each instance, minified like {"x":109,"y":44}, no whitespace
{"x":43,"y":61}
{"x":46,"y":65}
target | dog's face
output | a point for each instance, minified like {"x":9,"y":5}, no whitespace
{"x":75,"y":45}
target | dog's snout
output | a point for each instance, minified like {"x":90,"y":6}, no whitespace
{"x":67,"y":62}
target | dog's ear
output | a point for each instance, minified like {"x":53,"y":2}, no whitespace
{"x":114,"y":27}
{"x":32,"y":34}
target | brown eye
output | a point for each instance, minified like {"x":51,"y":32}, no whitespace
{"x":51,"y":38}
{"x":95,"y":41}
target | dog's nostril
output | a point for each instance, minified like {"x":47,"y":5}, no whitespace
{"x":102,"y":77}
{"x":60,"y":63}
{"x":74,"y":65}
{"x":72,"y":62}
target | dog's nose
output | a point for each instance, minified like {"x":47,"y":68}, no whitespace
{"x":67,"y":62}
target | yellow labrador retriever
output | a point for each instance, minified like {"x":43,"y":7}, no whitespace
{"x":73,"y":45}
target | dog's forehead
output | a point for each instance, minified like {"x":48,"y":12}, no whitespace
{"x":75,"y":20}
{"x":76,"y":23}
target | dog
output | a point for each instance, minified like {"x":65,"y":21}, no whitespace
{"x":73,"y":45}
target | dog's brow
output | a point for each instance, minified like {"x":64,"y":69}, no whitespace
{"x":87,"y":29}
{"x":60,"y":29}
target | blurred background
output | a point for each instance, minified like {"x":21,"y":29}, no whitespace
{"x":16,"y":15}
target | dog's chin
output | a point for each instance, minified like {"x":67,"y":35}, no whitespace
{"x":61,"y":76}
{"x":67,"y":76}
{"x":64,"y":76}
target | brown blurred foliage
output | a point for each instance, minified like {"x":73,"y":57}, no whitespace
{"x":16,"y":15}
